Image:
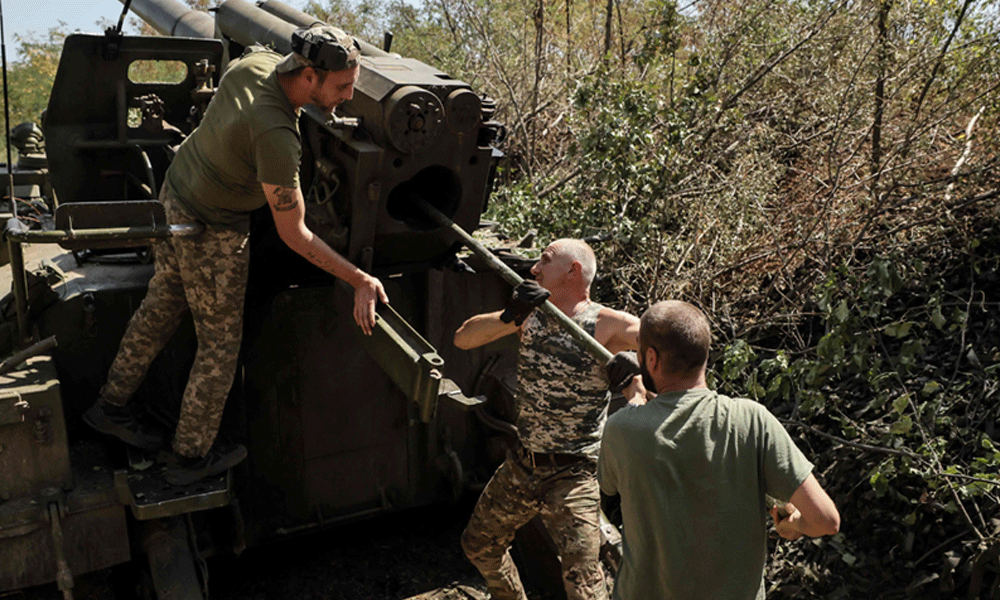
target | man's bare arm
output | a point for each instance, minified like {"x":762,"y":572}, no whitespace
{"x":483,"y":329}
{"x":617,"y":331}
{"x":288,"y":208}
{"x":812,"y":513}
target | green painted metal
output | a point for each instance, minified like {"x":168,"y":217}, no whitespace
{"x":407,"y":358}
{"x":339,"y":426}
{"x":16,"y":254}
{"x":32,"y":431}
{"x":108,"y":237}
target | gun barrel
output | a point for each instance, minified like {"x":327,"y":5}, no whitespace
{"x":173,"y":18}
{"x":424,"y":134}
{"x":300,"y":19}
{"x":289,"y":13}
{"x":247,"y":24}
{"x":267,"y":22}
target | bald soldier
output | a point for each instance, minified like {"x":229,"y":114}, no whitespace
{"x":562,"y":400}
{"x":693,"y":467}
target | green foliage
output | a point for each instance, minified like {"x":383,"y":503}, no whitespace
{"x":624,"y":171}
{"x":363,"y":18}
{"x":661,"y":36}
{"x":864,"y":340}
{"x":730,"y":153}
{"x":896,"y":369}
{"x":157,"y":71}
{"x":29,"y":79}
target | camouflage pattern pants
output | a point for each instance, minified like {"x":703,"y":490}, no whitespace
{"x":568,"y":500}
{"x":206,"y":274}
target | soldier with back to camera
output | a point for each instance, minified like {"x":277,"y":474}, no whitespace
{"x":693,"y":468}
{"x":243,"y":155}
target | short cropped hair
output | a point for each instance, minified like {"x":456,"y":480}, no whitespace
{"x":581,"y":252}
{"x":680,"y":334}
{"x":321,"y":74}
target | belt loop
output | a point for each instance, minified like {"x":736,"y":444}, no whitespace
{"x":531,"y":455}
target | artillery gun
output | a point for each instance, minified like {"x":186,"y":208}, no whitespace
{"x":339,"y":426}
{"x":30,"y":172}
{"x":30,"y":178}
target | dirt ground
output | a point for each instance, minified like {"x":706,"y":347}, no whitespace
{"x":414,"y":555}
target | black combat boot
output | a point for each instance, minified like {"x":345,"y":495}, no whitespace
{"x":118,"y":421}
{"x":185,"y":470}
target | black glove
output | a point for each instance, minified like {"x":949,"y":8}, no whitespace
{"x":621,"y":368}
{"x":527,"y":295}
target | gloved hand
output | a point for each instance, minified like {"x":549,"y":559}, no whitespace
{"x":527,"y":295}
{"x":621,"y":368}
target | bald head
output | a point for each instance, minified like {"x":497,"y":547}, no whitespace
{"x":680,"y":334}
{"x":578,"y":251}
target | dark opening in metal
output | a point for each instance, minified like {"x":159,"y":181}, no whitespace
{"x":437,"y":185}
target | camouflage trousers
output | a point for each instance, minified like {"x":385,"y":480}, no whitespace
{"x":207,"y":275}
{"x":568,"y":500}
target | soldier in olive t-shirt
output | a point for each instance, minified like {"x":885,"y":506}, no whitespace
{"x":693,"y":467}
{"x":218,"y":172}
{"x":244,"y":155}
{"x":697,"y":466}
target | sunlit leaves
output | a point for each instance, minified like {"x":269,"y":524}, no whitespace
{"x":29,"y":78}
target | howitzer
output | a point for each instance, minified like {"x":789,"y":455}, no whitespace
{"x":334,"y":433}
{"x":419,"y":134}
{"x":405,"y":108}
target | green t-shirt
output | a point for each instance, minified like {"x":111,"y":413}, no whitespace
{"x":248,"y":136}
{"x":692,"y":469}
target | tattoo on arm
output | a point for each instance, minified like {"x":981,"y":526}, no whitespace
{"x":285,"y":199}
{"x":320,"y":261}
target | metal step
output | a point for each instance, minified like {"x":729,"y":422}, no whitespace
{"x":143,"y":488}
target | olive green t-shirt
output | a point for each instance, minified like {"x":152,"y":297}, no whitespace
{"x":692,"y":469}
{"x":248,"y":136}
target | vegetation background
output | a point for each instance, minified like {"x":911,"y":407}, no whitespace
{"x":820,"y":176}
